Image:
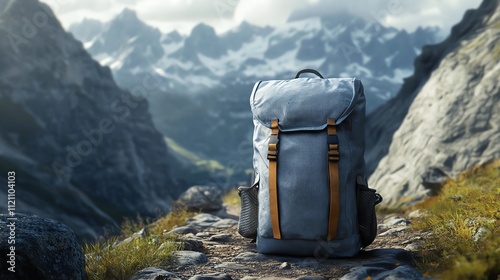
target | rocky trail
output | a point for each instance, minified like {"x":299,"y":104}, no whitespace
{"x":213,"y":249}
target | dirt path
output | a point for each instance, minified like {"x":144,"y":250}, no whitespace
{"x":228,"y":252}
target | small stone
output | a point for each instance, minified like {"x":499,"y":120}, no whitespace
{"x":362,"y":272}
{"x":250,"y":257}
{"x":382,"y":227}
{"x":417,"y":214}
{"x":412,"y":247}
{"x":396,"y":221}
{"x":210,"y":243}
{"x":141,"y":233}
{"x":311,"y":278}
{"x":182,"y":230}
{"x":212,"y":276}
{"x":153,"y":273}
{"x":220,"y":237}
{"x":401,"y":272}
{"x":233,"y":266}
{"x":123,"y":242}
{"x":204,"y":234}
{"x":481,"y":233}
{"x":191,"y":236}
{"x":192,"y":245}
{"x":185,"y":258}
{"x":204,"y":198}
{"x":471,"y":222}
{"x":285,"y":265}
{"x":394,"y":231}
{"x":202,"y":221}
{"x":406,"y":242}
{"x":224,"y":223}
{"x":386,"y":263}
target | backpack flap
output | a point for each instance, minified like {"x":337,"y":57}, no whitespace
{"x":304,"y":103}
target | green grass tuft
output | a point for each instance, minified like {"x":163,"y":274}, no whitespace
{"x":232,"y":197}
{"x":106,"y":260}
{"x":177,"y":217}
{"x":464,"y":208}
{"x":129,"y":226}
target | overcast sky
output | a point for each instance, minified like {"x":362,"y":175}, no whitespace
{"x":182,"y":15}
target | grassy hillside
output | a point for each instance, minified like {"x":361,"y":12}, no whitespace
{"x":195,"y":169}
{"x":463,"y":223}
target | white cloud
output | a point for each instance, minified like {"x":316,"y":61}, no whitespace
{"x":444,"y":13}
{"x":177,"y":10}
{"x":62,"y":7}
{"x":406,"y":14}
{"x":265,"y":12}
{"x":224,"y":14}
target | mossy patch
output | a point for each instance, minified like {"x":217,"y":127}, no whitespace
{"x":463,"y":223}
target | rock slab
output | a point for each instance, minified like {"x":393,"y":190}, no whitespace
{"x":204,"y":198}
{"x":153,"y":273}
{"x":185,"y":258}
{"x":44,"y":249}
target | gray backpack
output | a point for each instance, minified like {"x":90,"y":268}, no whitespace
{"x":310,"y":196}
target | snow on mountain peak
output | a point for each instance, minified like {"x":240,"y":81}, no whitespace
{"x":334,"y":44}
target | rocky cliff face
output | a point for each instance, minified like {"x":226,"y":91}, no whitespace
{"x":445,"y":118}
{"x":84,"y":151}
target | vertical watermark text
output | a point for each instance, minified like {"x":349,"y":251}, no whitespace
{"x":11,"y":220}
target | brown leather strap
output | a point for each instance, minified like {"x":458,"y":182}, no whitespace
{"x":272,"y":156}
{"x":333,"y":178}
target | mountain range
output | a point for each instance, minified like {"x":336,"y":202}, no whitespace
{"x":205,"y":78}
{"x":445,"y":118}
{"x":336,"y":45}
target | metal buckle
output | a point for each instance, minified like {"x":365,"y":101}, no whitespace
{"x":332,"y":139}
{"x":333,"y":153}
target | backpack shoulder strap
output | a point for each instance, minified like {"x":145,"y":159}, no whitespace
{"x":272,"y":156}
{"x":333,"y":178}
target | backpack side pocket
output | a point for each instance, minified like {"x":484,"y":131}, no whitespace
{"x":248,"y":221}
{"x":367,"y":218}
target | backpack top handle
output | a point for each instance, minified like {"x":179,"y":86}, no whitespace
{"x":309,"y":71}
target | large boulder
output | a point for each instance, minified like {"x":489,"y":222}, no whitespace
{"x":204,"y":198}
{"x":39,"y":248}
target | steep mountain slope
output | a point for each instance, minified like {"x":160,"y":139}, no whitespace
{"x":445,"y":118}
{"x":84,"y":151}
{"x":205,"y":78}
